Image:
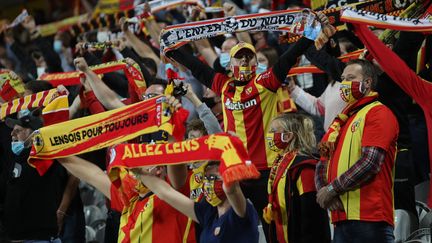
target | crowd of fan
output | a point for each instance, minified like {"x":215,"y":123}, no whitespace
{"x":366,"y":165}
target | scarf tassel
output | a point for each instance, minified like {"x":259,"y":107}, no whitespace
{"x":239,"y":172}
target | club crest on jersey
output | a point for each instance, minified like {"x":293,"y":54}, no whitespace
{"x":249,"y":90}
{"x":198,"y":177}
{"x":239,"y":105}
{"x":355,"y":125}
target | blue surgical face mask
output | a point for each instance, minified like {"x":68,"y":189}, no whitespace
{"x":254,"y":8}
{"x":169,"y":66}
{"x":261,"y":68}
{"x":58,"y":46}
{"x":17,"y":147}
{"x":224,"y":59}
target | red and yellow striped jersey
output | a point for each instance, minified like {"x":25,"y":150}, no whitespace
{"x":374,"y":125}
{"x":150,"y":220}
{"x":248,"y":110}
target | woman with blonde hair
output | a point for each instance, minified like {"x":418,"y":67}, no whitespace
{"x":291,"y":188}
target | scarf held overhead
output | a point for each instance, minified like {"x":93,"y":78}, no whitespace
{"x":293,"y":21}
{"x":334,"y":14}
{"x":385,"y":21}
{"x":101,"y":130}
{"x":235,"y":163}
{"x":80,"y":25}
{"x":132,"y":73}
{"x":40,"y":99}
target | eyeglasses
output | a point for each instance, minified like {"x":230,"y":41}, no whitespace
{"x":212,"y":177}
{"x":149,"y":96}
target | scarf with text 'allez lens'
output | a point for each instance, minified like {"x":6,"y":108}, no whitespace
{"x":235,"y":163}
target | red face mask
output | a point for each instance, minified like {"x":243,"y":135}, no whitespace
{"x":244,"y":73}
{"x":276,"y":141}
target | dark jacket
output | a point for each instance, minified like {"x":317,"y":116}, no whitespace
{"x":307,"y":221}
{"x":31,"y":200}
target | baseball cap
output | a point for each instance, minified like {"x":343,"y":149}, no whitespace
{"x":27,"y":121}
{"x":240,"y":46}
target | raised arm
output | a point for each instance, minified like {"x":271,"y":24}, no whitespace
{"x":205,"y":114}
{"x":236,"y":199}
{"x":230,"y":9}
{"x":407,"y":79}
{"x":140,"y":47}
{"x":331,"y":65}
{"x":289,"y":58}
{"x":105,"y":95}
{"x":200,"y":71}
{"x":306,"y":101}
{"x":206,"y":50}
{"x":87,"y":172}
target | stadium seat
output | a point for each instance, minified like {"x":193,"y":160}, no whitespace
{"x":420,"y":236}
{"x":421,"y":191}
{"x":426,"y":221}
{"x":405,"y":224}
{"x":90,"y":234}
{"x":262,"y":238}
{"x":92,"y":214}
{"x":422,"y":210}
{"x":100,"y":233}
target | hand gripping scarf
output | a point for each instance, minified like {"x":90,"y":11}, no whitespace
{"x":328,"y":143}
{"x":11,"y":85}
{"x":99,"y":131}
{"x":235,"y":163}
{"x":133,"y":75}
{"x":293,"y":21}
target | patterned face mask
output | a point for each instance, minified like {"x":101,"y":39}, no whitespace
{"x":351,"y":91}
{"x":276,"y":141}
{"x":213,"y":191}
{"x":244,"y":74}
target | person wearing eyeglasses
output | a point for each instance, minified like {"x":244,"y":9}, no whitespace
{"x":225,"y":215}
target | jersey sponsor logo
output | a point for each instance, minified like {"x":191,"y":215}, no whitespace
{"x":195,"y":193}
{"x":239,"y":105}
